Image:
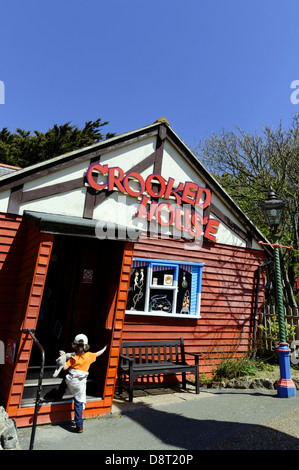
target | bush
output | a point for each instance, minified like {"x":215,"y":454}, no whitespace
{"x":230,"y":369}
{"x":272,"y":331}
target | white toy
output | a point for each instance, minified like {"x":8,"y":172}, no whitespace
{"x":61,"y":361}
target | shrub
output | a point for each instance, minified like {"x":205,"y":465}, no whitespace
{"x":230,"y":369}
{"x":272,"y":330}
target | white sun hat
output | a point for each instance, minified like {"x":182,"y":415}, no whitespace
{"x":81,"y":337}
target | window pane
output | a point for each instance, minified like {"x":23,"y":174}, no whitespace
{"x":136,"y":295}
{"x":173,"y":288}
{"x":184,"y":292}
{"x":160,"y":300}
{"x":163,"y":275}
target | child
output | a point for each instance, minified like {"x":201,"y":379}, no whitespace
{"x":76,"y":377}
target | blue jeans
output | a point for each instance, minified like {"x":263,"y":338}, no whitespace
{"x":78,"y":413}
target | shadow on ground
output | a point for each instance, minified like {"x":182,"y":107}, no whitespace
{"x":188,"y":433}
{"x":185,"y":423}
{"x":196,"y":432}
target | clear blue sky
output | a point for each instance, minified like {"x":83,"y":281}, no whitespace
{"x":205,"y":65}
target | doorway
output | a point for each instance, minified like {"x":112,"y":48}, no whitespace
{"x":82,"y":281}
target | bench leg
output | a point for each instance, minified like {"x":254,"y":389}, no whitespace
{"x":197,"y":380}
{"x":131,"y":388}
{"x":120,"y":383}
{"x":184,"y":382}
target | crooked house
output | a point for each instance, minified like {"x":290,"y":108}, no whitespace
{"x":130,"y":238}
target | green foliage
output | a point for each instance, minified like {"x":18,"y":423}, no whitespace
{"x":264,"y":366}
{"x":235,"y":368}
{"x":246,"y":165}
{"x":23,"y":149}
{"x":272,"y":331}
{"x":230,"y":369}
{"x":204,"y":380}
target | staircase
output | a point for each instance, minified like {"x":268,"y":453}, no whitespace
{"x":54,"y":390}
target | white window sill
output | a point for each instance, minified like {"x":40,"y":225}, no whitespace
{"x":161,"y":314}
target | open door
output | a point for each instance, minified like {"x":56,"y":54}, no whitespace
{"x":79,"y":297}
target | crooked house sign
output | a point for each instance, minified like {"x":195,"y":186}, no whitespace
{"x":185,"y":214}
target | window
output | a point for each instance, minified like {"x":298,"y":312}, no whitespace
{"x":165,"y":288}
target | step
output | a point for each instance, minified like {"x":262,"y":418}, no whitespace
{"x":34,"y":371}
{"x":49,"y":388}
{"x":26,"y":402}
{"x":48,"y":382}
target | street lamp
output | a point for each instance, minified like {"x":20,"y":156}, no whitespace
{"x":273,"y":210}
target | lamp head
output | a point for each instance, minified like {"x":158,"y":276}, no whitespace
{"x":273,"y":209}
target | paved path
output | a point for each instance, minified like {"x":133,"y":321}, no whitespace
{"x":183,"y":421}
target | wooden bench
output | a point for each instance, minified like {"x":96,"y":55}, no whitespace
{"x":140,"y":358}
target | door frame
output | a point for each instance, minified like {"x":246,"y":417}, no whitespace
{"x":39,"y":247}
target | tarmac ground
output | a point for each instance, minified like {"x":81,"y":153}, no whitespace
{"x":178,"y":423}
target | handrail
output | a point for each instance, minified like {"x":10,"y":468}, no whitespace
{"x":39,"y":387}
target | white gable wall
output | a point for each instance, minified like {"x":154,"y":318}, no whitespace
{"x":4,"y":198}
{"x":121,"y":208}
{"x":69,"y":203}
{"x":130,"y":155}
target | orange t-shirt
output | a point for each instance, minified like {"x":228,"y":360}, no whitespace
{"x":82,"y":361}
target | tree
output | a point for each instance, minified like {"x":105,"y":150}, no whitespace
{"x":23,"y":149}
{"x":246,"y":165}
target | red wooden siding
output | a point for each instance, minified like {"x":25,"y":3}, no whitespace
{"x":11,"y":251}
{"x":228,"y":288}
{"x":31,"y":281}
{"x":92,"y":408}
{"x":227,"y":303}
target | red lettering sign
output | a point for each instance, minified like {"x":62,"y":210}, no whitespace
{"x":188,"y":196}
{"x":211,"y":229}
{"x":155,"y":185}
{"x":140,"y":180}
{"x":99,"y":168}
{"x":115,"y":179}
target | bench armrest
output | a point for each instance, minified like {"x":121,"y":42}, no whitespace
{"x":128,"y":358}
{"x":195,"y":355}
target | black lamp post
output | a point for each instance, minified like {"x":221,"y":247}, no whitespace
{"x":273,"y":210}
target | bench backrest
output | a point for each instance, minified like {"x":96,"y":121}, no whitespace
{"x":149,"y":352}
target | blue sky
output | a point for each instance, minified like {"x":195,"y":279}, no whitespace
{"x":205,"y":65}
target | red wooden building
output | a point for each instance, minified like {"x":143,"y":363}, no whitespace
{"x":129,"y":238}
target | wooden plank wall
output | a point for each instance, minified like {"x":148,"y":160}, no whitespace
{"x":228,"y":290}
{"x":11,"y":250}
{"x":31,"y":280}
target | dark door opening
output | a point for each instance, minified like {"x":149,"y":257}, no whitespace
{"x":56,"y":312}
{"x":82,"y":281}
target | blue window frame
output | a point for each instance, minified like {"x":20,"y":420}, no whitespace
{"x":165,"y":288}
